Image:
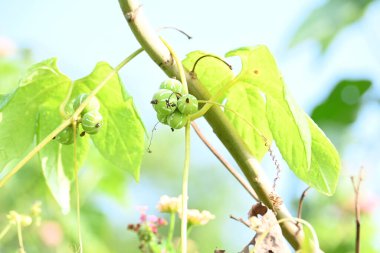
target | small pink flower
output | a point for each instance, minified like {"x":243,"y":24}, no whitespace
{"x":161,"y":222}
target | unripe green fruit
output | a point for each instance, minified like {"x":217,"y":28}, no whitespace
{"x":66,"y":137}
{"x":187,"y":104}
{"x":162,"y":118}
{"x":93,"y":105}
{"x":164,"y":102}
{"x":177,"y":120}
{"x":173,"y":85}
{"x":92,"y":122}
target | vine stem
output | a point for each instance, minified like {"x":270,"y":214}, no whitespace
{"x":222,"y":127}
{"x":171,"y":228}
{"x":185,"y":180}
{"x":5,"y":230}
{"x":19,"y":235}
{"x":226,"y":164}
{"x":77,"y":188}
{"x":179,"y":64}
{"x":69,"y":121}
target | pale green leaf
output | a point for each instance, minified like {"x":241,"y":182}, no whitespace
{"x":122,"y":137}
{"x":42,"y":84}
{"x":245,"y":108}
{"x":325,"y":167}
{"x":211,"y":72}
{"x":286,"y":121}
{"x":57,"y":160}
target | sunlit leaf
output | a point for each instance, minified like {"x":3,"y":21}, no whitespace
{"x":122,"y":137}
{"x":286,"y":121}
{"x":42,"y":85}
{"x":57,"y":160}
{"x":212,"y":72}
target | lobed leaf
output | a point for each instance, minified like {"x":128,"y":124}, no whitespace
{"x":57,"y":160}
{"x":258,"y":104}
{"x":286,"y":120}
{"x":42,"y":85}
{"x":122,"y":137}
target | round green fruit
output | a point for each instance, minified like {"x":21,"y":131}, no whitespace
{"x":172,"y":84}
{"x":93,"y":104}
{"x":164,"y":102}
{"x":92,"y":122}
{"x":177,"y":120}
{"x":187,"y":104}
{"x":66,"y":137}
{"x":162,"y":118}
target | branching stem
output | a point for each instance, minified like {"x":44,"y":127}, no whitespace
{"x":226,"y":164}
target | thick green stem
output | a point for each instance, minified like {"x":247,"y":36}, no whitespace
{"x":221,"y":126}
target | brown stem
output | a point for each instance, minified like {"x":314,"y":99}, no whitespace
{"x":240,"y":220}
{"x":303,"y":195}
{"x":356,"y":186}
{"x":208,"y":55}
{"x":226,"y":164}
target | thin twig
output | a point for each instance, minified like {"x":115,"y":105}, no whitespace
{"x":189,"y":37}
{"x":303,"y":195}
{"x":356,"y":186}
{"x":240,"y":220}
{"x":209,"y":55}
{"x":226,"y":164}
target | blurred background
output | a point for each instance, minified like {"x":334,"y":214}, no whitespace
{"x":329,"y":55}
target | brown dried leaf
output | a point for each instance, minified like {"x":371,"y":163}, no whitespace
{"x":257,"y":209}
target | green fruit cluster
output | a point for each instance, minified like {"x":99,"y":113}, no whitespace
{"x":171,"y":106}
{"x":91,"y":119}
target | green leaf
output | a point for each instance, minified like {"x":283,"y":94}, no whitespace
{"x":245,"y":108}
{"x":122,"y":137}
{"x":325,"y":167}
{"x":342,"y":104}
{"x":43,"y":84}
{"x":57,"y":160}
{"x":214,"y":75}
{"x":211,"y":72}
{"x":326,"y":21}
{"x":286,"y":120}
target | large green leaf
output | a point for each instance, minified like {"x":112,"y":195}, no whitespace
{"x":286,"y":121}
{"x":258,"y":104}
{"x":326,"y":21}
{"x":214,"y":75}
{"x":122,"y":137}
{"x":245,"y":103}
{"x":324,"y":170}
{"x":43,"y":84}
{"x":57,"y":160}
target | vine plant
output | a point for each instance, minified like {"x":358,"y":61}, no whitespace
{"x":248,"y":112}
